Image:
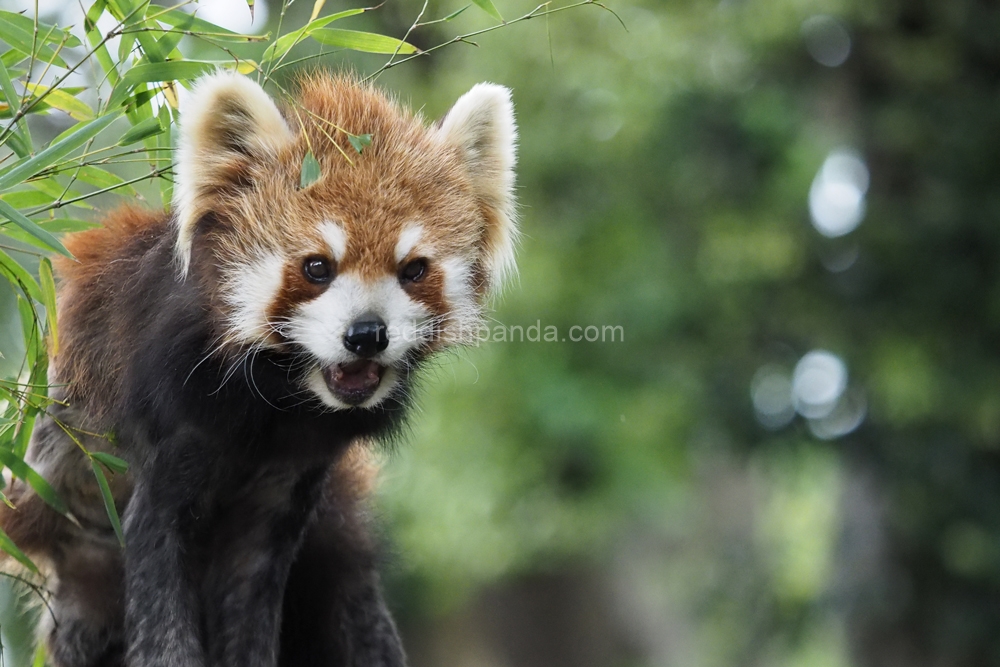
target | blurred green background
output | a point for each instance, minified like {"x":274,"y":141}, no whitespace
{"x":792,"y":210}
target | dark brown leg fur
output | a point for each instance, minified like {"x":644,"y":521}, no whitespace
{"x":333,"y":612}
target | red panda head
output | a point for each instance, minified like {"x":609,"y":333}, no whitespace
{"x":386,"y":257}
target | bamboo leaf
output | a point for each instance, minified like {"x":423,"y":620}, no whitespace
{"x":63,"y":100}
{"x":31,"y":335}
{"x":286,"y":42}
{"x":163,"y":141}
{"x":18,"y":145}
{"x":167,"y":44}
{"x":147,"y":128}
{"x":102,"y":179}
{"x":176,"y":18}
{"x":26,"y":422}
{"x":38,"y":378}
{"x":22,"y":139}
{"x":53,"y":34}
{"x":26,"y":168}
{"x":134,"y":23}
{"x":94,"y":37}
{"x":18,"y":275}
{"x":18,"y":218}
{"x":113,"y":463}
{"x":488,"y":7}
{"x":109,"y":501}
{"x":37,"y":107}
{"x":368,"y":42}
{"x":9,"y":397}
{"x":26,"y":198}
{"x":247,"y":66}
{"x":22,"y":40}
{"x":137,"y":107}
{"x":55,"y":226}
{"x":41,"y":655}
{"x":7,"y":86}
{"x":175,"y":70}
{"x":125,"y":47}
{"x":454,"y":14}
{"x":37,"y":483}
{"x":22,"y":199}
{"x":12,"y":57}
{"x":51,"y":187}
{"x":48,"y":285}
{"x":310,"y":170}
{"x":317,"y":8}
{"x":11,"y":549}
{"x":68,"y":225}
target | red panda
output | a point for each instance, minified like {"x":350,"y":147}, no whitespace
{"x":242,"y":349}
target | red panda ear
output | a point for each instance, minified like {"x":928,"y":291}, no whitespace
{"x":482,"y":125}
{"x":226,"y":123}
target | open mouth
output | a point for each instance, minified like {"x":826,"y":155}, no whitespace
{"x":354,"y":382}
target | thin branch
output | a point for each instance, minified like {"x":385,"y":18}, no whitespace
{"x":203,"y":35}
{"x":60,"y":203}
{"x":110,"y":159}
{"x":31,"y":59}
{"x":540,"y":10}
{"x":413,"y":26}
{"x":43,"y":593}
{"x":281,"y":18}
{"x":26,"y":252}
{"x":303,"y":59}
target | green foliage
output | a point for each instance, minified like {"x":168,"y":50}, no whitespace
{"x":310,"y":170}
{"x":109,"y":501}
{"x":488,"y":7}
{"x":360,"y":142}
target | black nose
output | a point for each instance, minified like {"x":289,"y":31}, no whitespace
{"x":367,"y":336}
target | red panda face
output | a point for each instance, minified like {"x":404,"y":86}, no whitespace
{"x":387,"y":257}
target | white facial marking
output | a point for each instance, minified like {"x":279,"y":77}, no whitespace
{"x":457,"y":280}
{"x":319,"y":326}
{"x":464,"y":311}
{"x":408,"y":240}
{"x":249,"y":290}
{"x":336,"y":239}
{"x":315,"y":383}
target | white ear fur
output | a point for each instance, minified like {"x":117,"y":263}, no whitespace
{"x":482,"y":124}
{"x":227,"y":117}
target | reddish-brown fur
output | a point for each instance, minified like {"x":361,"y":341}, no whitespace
{"x":103,"y":258}
{"x":151,"y":296}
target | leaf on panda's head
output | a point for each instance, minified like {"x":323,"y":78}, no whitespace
{"x":310,"y":170}
{"x":360,"y":141}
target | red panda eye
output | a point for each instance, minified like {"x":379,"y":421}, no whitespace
{"x":413,"y":271}
{"x":317,"y":269}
